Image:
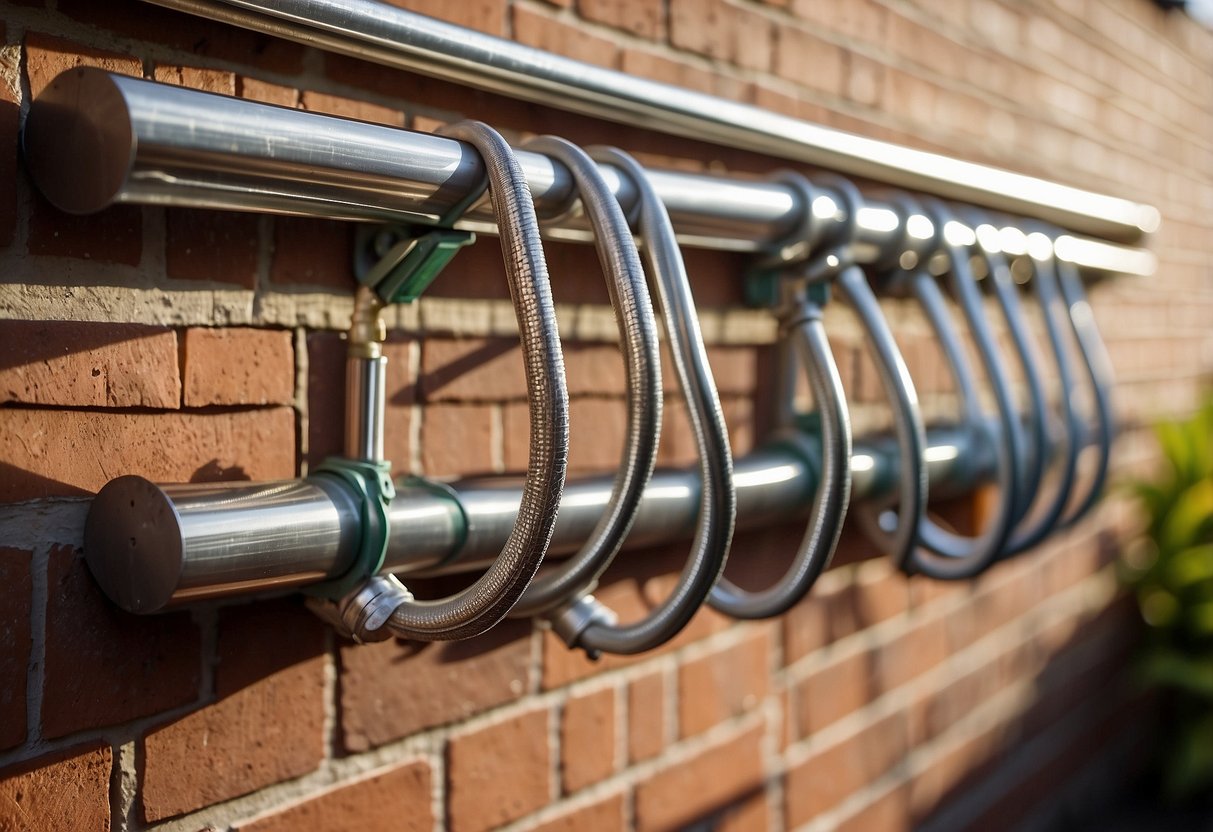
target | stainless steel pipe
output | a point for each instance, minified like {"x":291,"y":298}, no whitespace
{"x":153,"y":547}
{"x":93,"y":139}
{"x":377,"y":32}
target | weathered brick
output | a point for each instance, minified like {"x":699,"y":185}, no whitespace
{"x":66,"y":790}
{"x":210,"y":245}
{"x":472,"y":369}
{"x":64,"y":452}
{"x":675,"y":797}
{"x":313,"y":252}
{"x":753,"y":814}
{"x":392,"y":798}
{"x":105,"y":666}
{"x":457,"y":439}
{"x":10,"y":115}
{"x":887,"y":812}
{"x":15,"y":643}
{"x":880,"y":593}
{"x":544,"y":32}
{"x":645,"y":18}
{"x":208,"y":80}
{"x":718,"y":29}
{"x":47,"y":56}
{"x":723,"y":685}
{"x":832,"y":692}
{"x":606,"y":815}
{"x":912,"y":653}
{"x":498,"y":774}
{"x":335,"y":105}
{"x":255,"y":89}
{"x":114,"y":235}
{"x":587,"y":740}
{"x":238,"y":365}
{"x":832,"y":774}
{"x":485,"y":15}
{"x":660,"y":68}
{"x":646,"y":716}
{"x":89,"y":364}
{"x":393,"y":689}
{"x":804,"y":58}
{"x":266,"y":724}
{"x":595,"y":369}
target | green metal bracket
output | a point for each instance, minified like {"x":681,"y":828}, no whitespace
{"x":400,"y":262}
{"x":372,"y":484}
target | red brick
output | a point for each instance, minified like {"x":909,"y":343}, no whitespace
{"x":676,"y":797}
{"x":89,"y":364}
{"x":472,"y":369}
{"x":551,"y":35}
{"x":750,"y":815}
{"x":832,"y":774}
{"x":313,"y":252}
{"x":587,"y":740}
{"x":114,"y":235}
{"x":646,"y":717}
{"x":457,"y":439}
{"x":335,"y":105}
{"x":485,"y":15}
{"x":837,"y":689}
{"x":498,"y":774}
{"x":889,"y":812}
{"x":604,"y":816}
{"x":667,"y":71}
{"x":185,"y":33}
{"x":394,"y":689}
{"x":595,"y":369}
{"x":723,"y":685}
{"x":392,"y":798}
{"x":880,"y":593}
{"x":645,"y":18}
{"x":804,"y":58}
{"x":912,"y":653}
{"x":238,"y":365}
{"x":255,"y":89}
{"x":47,"y":56}
{"x":207,"y":80}
{"x":65,"y":452}
{"x":212,"y":245}
{"x":14,"y":643}
{"x":721,"y":30}
{"x":66,"y":790}
{"x":266,"y":724}
{"x":104,"y":666}
{"x":597,"y":428}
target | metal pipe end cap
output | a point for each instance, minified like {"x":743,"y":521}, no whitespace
{"x":133,"y":544}
{"x":78,"y":141}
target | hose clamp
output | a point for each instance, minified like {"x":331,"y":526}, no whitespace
{"x":371,"y":483}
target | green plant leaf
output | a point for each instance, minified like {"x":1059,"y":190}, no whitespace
{"x":1190,"y":566}
{"x":1190,"y":514}
{"x":1172,"y":669}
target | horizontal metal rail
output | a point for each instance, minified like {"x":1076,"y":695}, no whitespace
{"x":153,"y":547}
{"x":377,"y":32}
{"x":93,"y":139}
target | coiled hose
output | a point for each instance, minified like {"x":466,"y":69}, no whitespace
{"x":1099,"y":373}
{"x":642,"y":361}
{"x":801,"y":323}
{"x":597,"y":632}
{"x":482,"y":605}
{"x":1044,"y":284}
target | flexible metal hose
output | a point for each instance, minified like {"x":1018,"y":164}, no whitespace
{"x":486,"y":602}
{"x":718,"y":500}
{"x":1044,"y":283}
{"x":1099,"y":372}
{"x":642,"y":361}
{"x":801,"y":323}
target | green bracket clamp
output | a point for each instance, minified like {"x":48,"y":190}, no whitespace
{"x":400,"y":261}
{"x":761,"y":288}
{"x":373,"y":487}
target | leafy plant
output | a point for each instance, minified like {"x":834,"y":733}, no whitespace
{"x":1170,"y":570}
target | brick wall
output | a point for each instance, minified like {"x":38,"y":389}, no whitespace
{"x":192,"y":346}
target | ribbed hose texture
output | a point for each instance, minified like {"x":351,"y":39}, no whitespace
{"x":482,"y":605}
{"x":641,"y":348}
{"x":718,"y":499}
